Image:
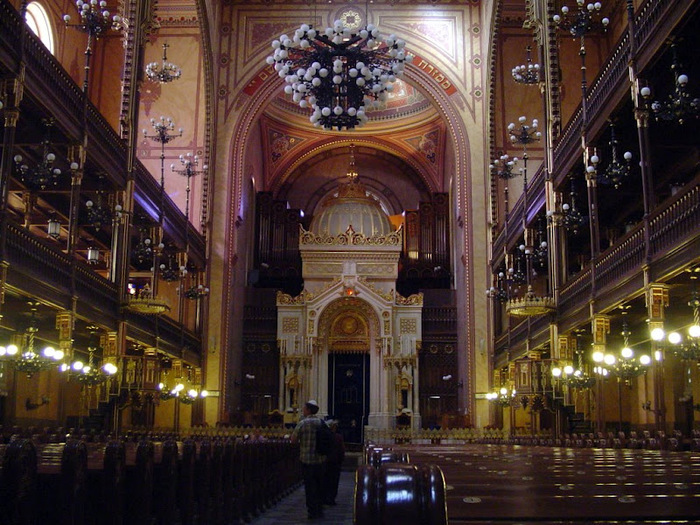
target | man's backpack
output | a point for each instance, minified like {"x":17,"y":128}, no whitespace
{"x":324,"y":439}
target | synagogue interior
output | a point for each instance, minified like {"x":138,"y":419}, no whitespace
{"x":487,"y":232}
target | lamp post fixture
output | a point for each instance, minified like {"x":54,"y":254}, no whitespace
{"x":332,"y":72}
{"x":624,"y":366}
{"x":189,"y":165}
{"x":617,"y":170}
{"x":584,"y":20}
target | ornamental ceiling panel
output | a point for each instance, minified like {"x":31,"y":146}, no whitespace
{"x":437,"y":32}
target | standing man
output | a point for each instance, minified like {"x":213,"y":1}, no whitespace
{"x":334,"y":462}
{"x":312,"y":463}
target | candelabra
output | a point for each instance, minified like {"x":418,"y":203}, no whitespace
{"x":95,"y":20}
{"x":164,"y":72}
{"x":503,"y":166}
{"x":186,"y":395}
{"x":617,"y":170}
{"x":528,"y":73}
{"x":333,"y":71}
{"x":584,"y":20}
{"x":45,"y":174}
{"x":171,"y":271}
{"x":88,"y":374}
{"x":500,"y":290}
{"x":679,"y":106}
{"x":142,"y":253}
{"x":503,"y":397}
{"x":624,"y":366}
{"x":572,"y":377}
{"x":526,"y":134}
{"x":25,"y":359}
{"x":98,"y":214}
{"x":540,"y":255}
{"x":688,"y":349}
{"x":572,"y":218}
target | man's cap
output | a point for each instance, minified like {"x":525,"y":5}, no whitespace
{"x":312,"y":402}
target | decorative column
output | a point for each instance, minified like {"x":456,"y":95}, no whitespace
{"x":600,"y":327}
{"x":657,"y":300}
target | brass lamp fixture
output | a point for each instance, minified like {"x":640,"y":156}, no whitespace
{"x":25,"y":358}
{"x":625,"y":366}
{"x":89,"y":374}
{"x":503,"y":397}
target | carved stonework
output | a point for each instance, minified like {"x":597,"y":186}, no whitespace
{"x":290,"y":325}
{"x":382,"y":270}
{"x":387,"y":296}
{"x":310,"y":296}
{"x":286,"y":299}
{"x":408,"y":326}
{"x":415,"y":299}
{"x":350,"y":238}
{"x":400,"y":361}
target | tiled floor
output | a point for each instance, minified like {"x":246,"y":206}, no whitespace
{"x":292,"y":509}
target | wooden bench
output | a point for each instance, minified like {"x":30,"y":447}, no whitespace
{"x":400,"y":493}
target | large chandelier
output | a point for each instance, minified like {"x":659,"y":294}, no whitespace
{"x":165,"y":71}
{"x":528,"y":73}
{"x":333,"y":71}
{"x":26,"y":359}
{"x":680,"y":104}
{"x":45,"y":174}
{"x":95,"y":19}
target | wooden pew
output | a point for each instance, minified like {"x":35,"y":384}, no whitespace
{"x":379,"y":457}
{"x":139,"y":482}
{"x":186,"y":482}
{"x":165,"y":482}
{"x":400,"y":493}
{"x":62,"y":482}
{"x":106,"y":473}
{"x":18,"y":483}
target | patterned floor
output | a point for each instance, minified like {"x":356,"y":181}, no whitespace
{"x":292,"y":509}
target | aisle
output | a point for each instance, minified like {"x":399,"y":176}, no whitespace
{"x":292,"y":509}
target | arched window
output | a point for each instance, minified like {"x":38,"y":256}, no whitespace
{"x":38,"y":22}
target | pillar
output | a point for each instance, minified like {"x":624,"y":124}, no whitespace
{"x":600,"y":327}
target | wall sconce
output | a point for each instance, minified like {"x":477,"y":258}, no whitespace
{"x":93,"y":255}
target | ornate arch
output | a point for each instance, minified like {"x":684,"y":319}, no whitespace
{"x":449,"y":106}
{"x":348,"y":308}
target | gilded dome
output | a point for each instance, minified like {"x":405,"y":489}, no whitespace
{"x":351,"y":207}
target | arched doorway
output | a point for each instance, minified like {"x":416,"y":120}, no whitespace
{"x":349,"y":374}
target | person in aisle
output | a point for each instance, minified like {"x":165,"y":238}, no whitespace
{"x":312,"y":463}
{"x":334,"y":462}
